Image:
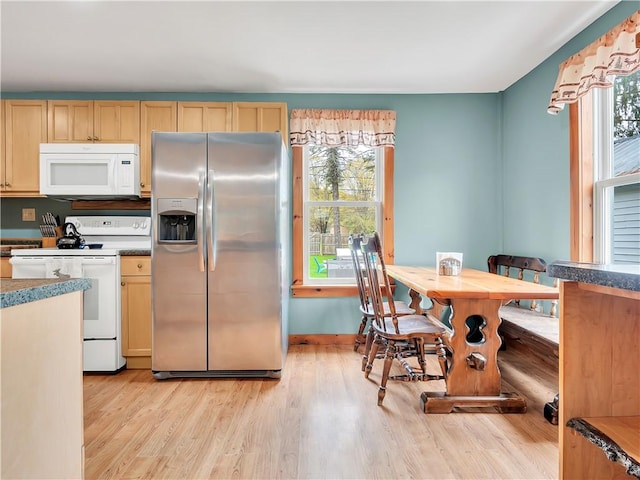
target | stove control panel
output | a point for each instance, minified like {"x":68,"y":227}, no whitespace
{"x":111,"y":225}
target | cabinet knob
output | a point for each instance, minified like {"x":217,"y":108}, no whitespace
{"x":122,"y":284}
{"x":141,"y":184}
{"x":7,"y":184}
{"x":95,"y":139}
{"x":89,"y":137}
{"x":139,"y":265}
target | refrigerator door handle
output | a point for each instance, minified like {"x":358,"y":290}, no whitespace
{"x":211,"y":230}
{"x":199,"y":222}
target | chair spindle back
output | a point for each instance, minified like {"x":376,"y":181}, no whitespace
{"x":355,"y":242}
{"x":376,"y":279}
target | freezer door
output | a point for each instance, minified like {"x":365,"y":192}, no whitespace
{"x":244,"y":271}
{"x":178,"y":266}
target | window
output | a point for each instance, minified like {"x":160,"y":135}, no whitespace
{"x":326,"y":212}
{"x":606,"y":167}
{"x":342,"y":184}
{"x":617,"y":172}
{"x":603,"y":152}
{"x":341,"y":195}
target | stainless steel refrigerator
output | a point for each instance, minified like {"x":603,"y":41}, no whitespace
{"x":220,"y":254}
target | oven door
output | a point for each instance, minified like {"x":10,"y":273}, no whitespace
{"x":101,"y":301}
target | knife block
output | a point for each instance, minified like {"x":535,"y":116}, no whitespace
{"x":49,"y":242}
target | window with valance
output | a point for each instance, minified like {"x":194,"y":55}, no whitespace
{"x":601,"y":83}
{"x":343,"y":184}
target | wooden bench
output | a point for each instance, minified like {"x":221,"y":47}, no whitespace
{"x":525,"y":322}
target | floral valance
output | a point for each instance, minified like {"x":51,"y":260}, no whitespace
{"x":373,"y":128}
{"x":615,"y":53}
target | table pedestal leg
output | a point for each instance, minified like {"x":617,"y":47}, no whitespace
{"x":474,"y":377}
{"x":416,"y":298}
{"x":440,"y":402}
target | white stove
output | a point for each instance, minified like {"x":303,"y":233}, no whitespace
{"x":114,"y":233}
{"x":102,"y":305}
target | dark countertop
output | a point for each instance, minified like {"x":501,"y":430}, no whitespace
{"x":130,"y":253}
{"x":626,"y":277}
{"x":18,"y":291}
{"x":34,"y":242}
{"x":7,"y":244}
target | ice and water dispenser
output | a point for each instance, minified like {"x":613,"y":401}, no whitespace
{"x":177,"y":220}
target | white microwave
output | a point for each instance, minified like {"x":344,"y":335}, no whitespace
{"x":90,"y":170}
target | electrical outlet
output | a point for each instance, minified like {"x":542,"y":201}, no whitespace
{"x":28,"y":214}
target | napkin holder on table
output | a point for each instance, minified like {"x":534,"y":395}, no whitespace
{"x":449,"y":263}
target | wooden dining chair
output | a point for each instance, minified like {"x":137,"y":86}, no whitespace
{"x":366,"y":309}
{"x":390,"y":331}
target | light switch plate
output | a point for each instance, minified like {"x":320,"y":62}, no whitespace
{"x":28,"y":214}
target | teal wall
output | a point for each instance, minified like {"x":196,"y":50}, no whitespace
{"x":475,"y":173}
{"x":447,"y":183}
{"x":535,"y":153}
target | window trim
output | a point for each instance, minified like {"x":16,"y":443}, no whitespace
{"x":581,"y":179}
{"x":298,"y":288}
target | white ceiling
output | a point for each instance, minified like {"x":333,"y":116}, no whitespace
{"x":282,"y":47}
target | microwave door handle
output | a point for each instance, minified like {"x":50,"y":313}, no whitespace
{"x":200,"y":226}
{"x":211,"y":217}
{"x":114,"y":171}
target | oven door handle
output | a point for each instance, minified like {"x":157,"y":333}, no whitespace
{"x":42,"y":260}
{"x":98,"y":260}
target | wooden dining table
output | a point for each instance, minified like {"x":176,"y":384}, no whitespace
{"x":473,"y":378}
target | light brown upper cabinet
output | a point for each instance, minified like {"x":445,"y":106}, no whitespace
{"x":24,"y":129}
{"x":204,"y":116}
{"x":158,"y":117}
{"x":261,"y":117}
{"x":100,"y":121}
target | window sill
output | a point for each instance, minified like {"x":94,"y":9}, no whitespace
{"x":311,"y":291}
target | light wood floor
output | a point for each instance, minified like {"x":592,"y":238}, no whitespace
{"x":319,"y":421}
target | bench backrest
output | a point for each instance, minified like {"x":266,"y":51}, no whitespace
{"x":503,"y":265}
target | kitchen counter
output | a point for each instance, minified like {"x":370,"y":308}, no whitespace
{"x":626,"y":277}
{"x":135,"y":252}
{"x":599,"y":357}
{"x":5,"y":251}
{"x":18,"y":291}
{"x":6,"y":245}
{"x":27,"y":242}
{"x":41,"y":413}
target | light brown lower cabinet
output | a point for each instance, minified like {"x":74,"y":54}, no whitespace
{"x":5,"y":267}
{"x":41,"y":414}
{"x":599,"y":381}
{"x":135,"y":284}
